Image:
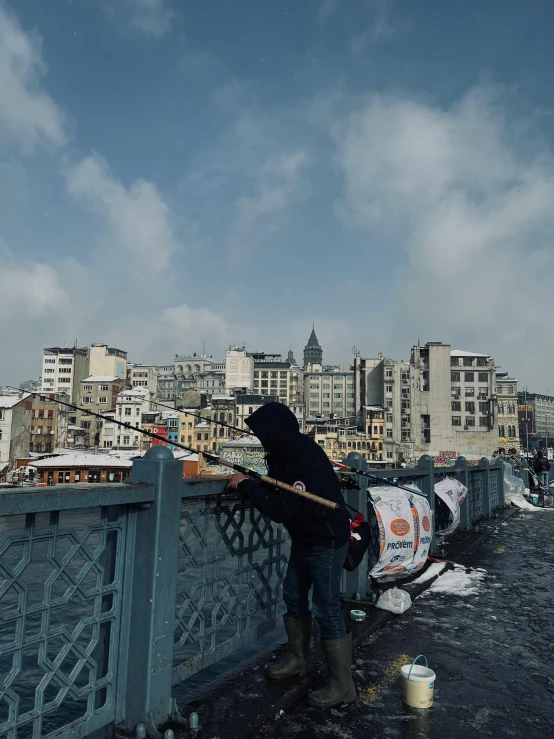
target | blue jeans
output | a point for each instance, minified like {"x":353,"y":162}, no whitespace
{"x":322,"y":568}
{"x":544,"y":479}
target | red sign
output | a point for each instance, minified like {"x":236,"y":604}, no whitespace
{"x":161,"y":431}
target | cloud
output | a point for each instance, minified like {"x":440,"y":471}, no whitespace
{"x":152,"y":18}
{"x":279,"y":184}
{"x":465,"y":214}
{"x":28,"y":115}
{"x":379,"y":26}
{"x":138,"y":219}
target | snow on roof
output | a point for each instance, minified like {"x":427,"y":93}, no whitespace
{"x":100,"y":378}
{"x":373,"y":408}
{"x":186,"y":456}
{"x":223,"y":397}
{"x":203,"y":425}
{"x":136,"y":392}
{"x":460,"y":353}
{"x":8,"y":401}
{"x":81,"y":460}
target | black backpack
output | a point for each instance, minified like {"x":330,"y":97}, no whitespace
{"x":360,"y":538}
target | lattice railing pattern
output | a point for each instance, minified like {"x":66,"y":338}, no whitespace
{"x":494,"y":489}
{"x":475,"y":495}
{"x":231,"y":568}
{"x":60,"y":584}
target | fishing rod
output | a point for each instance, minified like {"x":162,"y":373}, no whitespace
{"x":376,"y":477}
{"x":213,"y":457}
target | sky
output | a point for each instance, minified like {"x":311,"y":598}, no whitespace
{"x":177,"y":174}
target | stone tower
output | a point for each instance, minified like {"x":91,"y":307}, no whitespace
{"x":313,"y":353}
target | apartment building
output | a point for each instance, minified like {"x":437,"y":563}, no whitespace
{"x":272,"y":376}
{"x":63,"y":369}
{"x":15,"y":428}
{"x":144,"y":375}
{"x":329,"y":390}
{"x":536,"y":417}
{"x":339,"y":436}
{"x":239,"y":371}
{"x":247,"y":404}
{"x":49,"y":424}
{"x":507,"y":407}
{"x":453,"y":402}
{"x":107,"y":360}
{"x":97,"y":394}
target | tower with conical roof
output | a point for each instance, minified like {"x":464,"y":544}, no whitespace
{"x":313,"y":353}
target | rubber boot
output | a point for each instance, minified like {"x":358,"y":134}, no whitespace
{"x":338,"y":687}
{"x":297,"y":657}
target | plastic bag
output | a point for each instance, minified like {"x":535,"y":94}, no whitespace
{"x":514,"y":488}
{"x":394,"y":600}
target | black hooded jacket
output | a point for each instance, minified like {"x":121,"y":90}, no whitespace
{"x":297,"y":460}
{"x":541,"y":463}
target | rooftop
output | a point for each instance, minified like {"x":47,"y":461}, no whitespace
{"x":9,"y":400}
{"x":81,"y":460}
{"x":100,"y":378}
{"x":460,"y":353}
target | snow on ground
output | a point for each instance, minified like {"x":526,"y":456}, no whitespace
{"x":458,"y":581}
{"x":432,"y":571}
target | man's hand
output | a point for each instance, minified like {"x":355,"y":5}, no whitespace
{"x":237,"y":478}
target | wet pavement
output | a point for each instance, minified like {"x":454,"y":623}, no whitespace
{"x":488,"y":633}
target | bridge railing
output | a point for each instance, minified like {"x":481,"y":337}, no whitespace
{"x":485,"y":483}
{"x":111,"y":595}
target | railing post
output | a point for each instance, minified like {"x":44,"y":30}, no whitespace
{"x":428,"y":487}
{"x":501,"y":493}
{"x":485,"y":487}
{"x":151,"y":594}
{"x":356,"y":583}
{"x":463,"y":477}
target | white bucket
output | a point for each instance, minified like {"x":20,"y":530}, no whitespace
{"x":418,"y":684}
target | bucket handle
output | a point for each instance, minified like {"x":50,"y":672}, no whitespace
{"x":420,"y":656}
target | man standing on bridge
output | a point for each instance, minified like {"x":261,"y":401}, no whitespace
{"x":542,"y":468}
{"x":319,"y":545}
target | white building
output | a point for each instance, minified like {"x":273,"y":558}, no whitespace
{"x":239,"y":371}
{"x":275,"y":377}
{"x":133,"y":407}
{"x":63,"y":369}
{"x":453,"y":404}
{"x":329,"y":390}
{"x":144,"y":375}
{"x":106,"y":360}
{"x":15,"y":427}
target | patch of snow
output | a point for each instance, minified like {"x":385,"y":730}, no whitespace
{"x":458,"y":582}
{"x":432,"y":571}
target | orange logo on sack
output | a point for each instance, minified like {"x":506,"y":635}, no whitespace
{"x":400,"y":527}
{"x":425,"y":523}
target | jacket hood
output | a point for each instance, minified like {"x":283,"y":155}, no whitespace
{"x":276,"y":427}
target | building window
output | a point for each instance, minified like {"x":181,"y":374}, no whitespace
{"x":468,"y":362}
{"x":389,"y":417}
{"x":126,"y":440}
{"x":456,"y":406}
{"x":127,"y":411}
{"x":470,"y":421}
{"x":483,"y":407}
{"x":388,"y":374}
{"x":456,"y":420}
{"x":389,"y":388}
{"x":454,"y":377}
{"x":199,"y":437}
{"x":470,"y":392}
{"x":470,"y":407}
{"x":483,"y":421}
{"x":483,"y":376}
{"x":87,"y":400}
{"x":137,"y":412}
{"x":102,"y":400}
{"x":388,"y":403}
{"x":469,"y":376}
{"x":104,"y":388}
